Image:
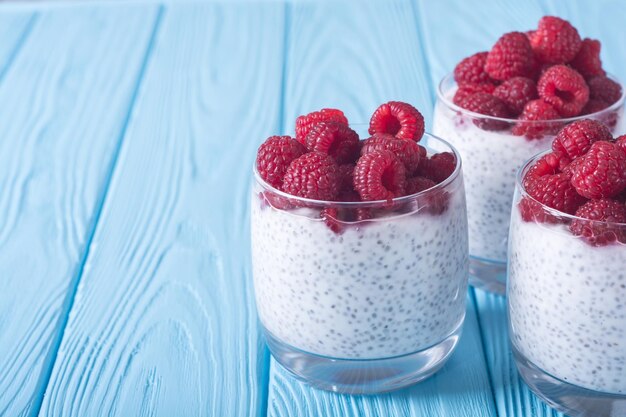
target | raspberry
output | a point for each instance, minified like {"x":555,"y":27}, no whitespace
{"x":605,"y":89}
{"x":555,"y":191}
{"x":379,"y":175}
{"x":330,"y":215}
{"x":602,"y":171}
{"x":314,"y":175}
{"x":488,"y":105}
{"x":594,"y":106}
{"x":399,"y":119}
{"x":471,"y":70}
{"x":602,"y":228}
{"x":346,"y":176}
{"x":555,"y":41}
{"x":587,"y":61}
{"x":406,"y":150}
{"x":576,"y":138}
{"x":511,"y":56}
{"x":271,"y":199}
{"x":274,"y":157}
{"x":530,"y":124}
{"x":531,"y":210}
{"x":418,"y":184}
{"x":516,"y":92}
{"x":334,"y":139}
{"x":438,"y":167}
{"x":565,"y":89}
{"x":548,"y":164}
{"x":306,"y":122}
{"x":423,"y":151}
{"x":621,"y":142}
{"x":468,"y":89}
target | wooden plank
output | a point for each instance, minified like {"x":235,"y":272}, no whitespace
{"x":164,"y":321}
{"x":63,"y":102}
{"x":354,"y":57}
{"x":15,"y":27}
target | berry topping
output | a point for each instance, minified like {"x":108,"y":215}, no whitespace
{"x":549,"y":164}
{"x":466,"y":90}
{"x":346,"y":176}
{"x":531,"y":210}
{"x":555,"y":41}
{"x":438,"y":167}
{"x":529,"y":121}
{"x":334,"y":139}
{"x":399,"y":119}
{"x":587,"y":62}
{"x":621,"y":142}
{"x":274,"y":157}
{"x":488,"y":105}
{"x":602,"y":171}
{"x":406,"y":150}
{"x":555,"y":191}
{"x":604,"y":89}
{"x":379,"y":175}
{"x":330,"y":215}
{"x":313,"y":175}
{"x":599,"y":231}
{"x":565,"y":89}
{"x":594,"y":106}
{"x":576,"y":138}
{"x":516,"y":92}
{"x":471,"y":70}
{"x":418,"y":184}
{"x":305,"y":123}
{"x":511,"y":56}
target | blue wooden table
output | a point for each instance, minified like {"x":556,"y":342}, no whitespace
{"x":127,"y":130}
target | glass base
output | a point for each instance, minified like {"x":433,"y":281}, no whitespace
{"x":569,"y":399}
{"x":487,"y":275}
{"x":362,"y":376}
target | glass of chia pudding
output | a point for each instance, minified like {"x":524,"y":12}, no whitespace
{"x":567,"y":277}
{"x":362,"y":296}
{"x":502,"y":106}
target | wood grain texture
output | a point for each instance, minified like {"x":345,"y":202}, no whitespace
{"x":164,"y":321}
{"x":354,"y":58}
{"x":63,"y":101}
{"x":15,"y":28}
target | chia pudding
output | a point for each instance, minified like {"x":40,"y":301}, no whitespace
{"x":567,"y":305}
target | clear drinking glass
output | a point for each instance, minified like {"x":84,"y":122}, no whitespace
{"x":567,"y":307}
{"x":361,"y":297}
{"x":493,"y":149}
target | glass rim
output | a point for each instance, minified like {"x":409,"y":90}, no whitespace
{"x":565,"y":120}
{"x":375,"y":203}
{"x":519,"y":183}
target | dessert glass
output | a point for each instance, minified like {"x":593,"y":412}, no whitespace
{"x":491,"y":159}
{"x":373,"y":306}
{"x":567,"y":310}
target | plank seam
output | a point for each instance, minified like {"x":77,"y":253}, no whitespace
{"x":19,"y":44}
{"x":417,"y":13}
{"x":73,"y":288}
{"x":283,"y":81}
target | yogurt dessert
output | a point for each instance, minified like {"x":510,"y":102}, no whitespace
{"x":567,"y":272}
{"x":360,"y":250}
{"x":501,"y":107}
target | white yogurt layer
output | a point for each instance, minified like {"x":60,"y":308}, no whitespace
{"x":389,"y":287}
{"x":567,"y":305}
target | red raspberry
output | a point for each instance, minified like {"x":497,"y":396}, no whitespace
{"x":330,"y":215}
{"x":532,"y":211}
{"x":511,"y":56}
{"x":576,"y":138}
{"x":471,"y":70}
{"x":423,"y":151}
{"x":488,"y":105}
{"x":334,"y":139}
{"x":399,"y":119}
{"x":313,"y":175}
{"x":438,"y":167}
{"x":594,"y":106}
{"x":602,"y":171}
{"x":569,"y":168}
{"x":406,"y":150}
{"x":379,"y":175}
{"x":516,"y":92}
{"x":565,"y":89}
{"x":418,"y":184}
{"x":605,"y":89}
{"x":468,"y":89}
{"x":621,"y":142}
{"x":587,"y":62}
{"x":555,"y":191}
{"x":602,"y":228}
{"x":306,"y":122}
{"x":529,"y":121}
{"x":346,"y":176}
{"x":274,"y":157}
{"x":549,"y":164}
{"x":555,"y":41}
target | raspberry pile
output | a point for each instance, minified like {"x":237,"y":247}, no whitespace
{"x":327,"y":161}
{"x":585,"y":176}
{"x":544,"y":74}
